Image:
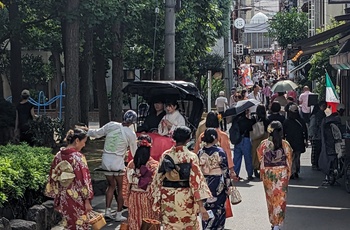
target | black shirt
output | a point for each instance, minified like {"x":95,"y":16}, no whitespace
{"x":276,"y":117}
{"x":24,"y":114}
{"x":151,"y":122}
{"x":245,"y":125}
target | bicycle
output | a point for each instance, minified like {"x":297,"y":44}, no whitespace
{"x":339,"y":168}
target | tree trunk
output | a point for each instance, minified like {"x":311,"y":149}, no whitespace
{"x":86,"y":87}
{"x":117,"y":72}
{"x":57,"y":79}
{"x":102,"y":98}
{"x":71,"y":56}
{"x":15,"y":53}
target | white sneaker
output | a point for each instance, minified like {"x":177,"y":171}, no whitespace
{"x":119,"y":217}
{"x":108,"y":214}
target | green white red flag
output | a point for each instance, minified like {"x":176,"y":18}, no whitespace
{"x":332,"y":97}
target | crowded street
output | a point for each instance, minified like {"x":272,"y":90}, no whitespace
{"x":310,"y":205}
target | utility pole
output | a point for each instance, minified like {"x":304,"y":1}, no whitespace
{"x":228,"y":57}
{"x":169,"y":72}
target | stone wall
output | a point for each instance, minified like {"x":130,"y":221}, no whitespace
{"x":39,"y":217}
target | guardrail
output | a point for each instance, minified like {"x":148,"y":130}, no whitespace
{"x":42,"y":103}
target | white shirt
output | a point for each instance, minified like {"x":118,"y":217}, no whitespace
{"x":256,"y":97}
{"x":118,"y":138}
{"x":221,"y":103}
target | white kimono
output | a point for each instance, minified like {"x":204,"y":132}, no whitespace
{"x":175,"y":118}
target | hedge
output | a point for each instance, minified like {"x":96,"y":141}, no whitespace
{"x":23,"y":168}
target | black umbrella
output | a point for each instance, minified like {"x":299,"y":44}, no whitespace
{"x":241,"y":107}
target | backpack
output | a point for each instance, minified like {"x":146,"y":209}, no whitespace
{"x":235,"y":134}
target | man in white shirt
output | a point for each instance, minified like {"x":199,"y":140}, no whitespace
{"x":221,"y":104}
{"x":255,"y":94}
{"x":303,"y":101}
{"x":119,"y":137}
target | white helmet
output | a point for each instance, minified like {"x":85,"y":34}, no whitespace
{"x":130,"y":116}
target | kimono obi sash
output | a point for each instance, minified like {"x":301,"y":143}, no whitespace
{"x":175,"y":174}
{"x":273,"y":158}
{"x":210,"y":165}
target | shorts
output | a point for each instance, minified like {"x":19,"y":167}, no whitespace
{"x":113,"y":163}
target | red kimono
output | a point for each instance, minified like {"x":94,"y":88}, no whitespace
{"x":70,"y":185}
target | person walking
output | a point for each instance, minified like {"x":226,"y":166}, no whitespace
{"x":256,"y":95}
{"x":179,"y":178}
{"x":70,"y":184}
{"x":316,"y":118}
{"x":276,"y":113}
{"x":221,"y":105}
{"x":24,"y":115}
{"x":214,"y":165}
{"x":266,"y":92}
{"x":119,"y":137}
{"x":136,"y":184}
{"x":296,"y":134}
{"x":212,"y":121}
{"x":260,"y":116}
{"x":244,"y":147}
{"x":303,"y":101}
{"x":233,"y":97}
{"x":275,"y":156}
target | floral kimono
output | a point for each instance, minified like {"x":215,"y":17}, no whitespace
{"x":178,"y":204}
{"x":137,"y":193}
{"x":70,"y":185}
{"x":174,"y":118}
{"x":275,"y":171}
{"x":214,"y":165}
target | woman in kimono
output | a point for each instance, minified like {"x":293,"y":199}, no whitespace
{"x":212,"y":121}
{"x":70,"y":182}
{"x":214,"y":166}
{"x":171,"y":120}
{"x":136,"y":184}
{"x":180,"y":179}
{"x":275,"y":155}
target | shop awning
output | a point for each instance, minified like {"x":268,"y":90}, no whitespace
{"x":313,"y":40}
{"x":299,"y":67}
{"x":340,"y":61}
{"x":314,"y":49}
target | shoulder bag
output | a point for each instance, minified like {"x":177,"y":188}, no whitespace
{"x":258,"y":130}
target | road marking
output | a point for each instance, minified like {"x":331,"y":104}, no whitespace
{"x":303,"y":186}
{"x":317,"y":207}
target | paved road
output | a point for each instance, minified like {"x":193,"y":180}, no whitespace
{"x":311,"y":206}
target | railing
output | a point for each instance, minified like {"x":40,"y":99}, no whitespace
{"x":43,"y":103}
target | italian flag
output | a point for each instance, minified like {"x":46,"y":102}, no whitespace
{"x":332,"y":97}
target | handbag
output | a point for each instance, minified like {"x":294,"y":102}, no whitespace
{"x":235,"y":196}
{"x":150,"y":224}
{"x":228,"y":208}
{"x":258,"y":130}
{"x":96,"y":220}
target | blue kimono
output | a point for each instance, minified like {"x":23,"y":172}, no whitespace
{"x":214,"y":166}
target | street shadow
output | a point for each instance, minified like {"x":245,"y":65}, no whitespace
{"x":313,"y":206}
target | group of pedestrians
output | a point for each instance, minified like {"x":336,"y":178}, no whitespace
{"x":184,"y":184}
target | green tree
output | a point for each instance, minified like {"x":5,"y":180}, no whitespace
{"x":320,"y":64}
{"x":288,"y":27}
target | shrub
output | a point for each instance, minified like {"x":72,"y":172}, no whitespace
{"x":46,"y":131}
{"x":23,"y":170}
{"x":7,"y":121}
